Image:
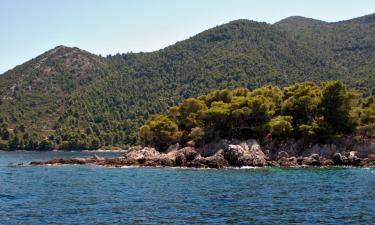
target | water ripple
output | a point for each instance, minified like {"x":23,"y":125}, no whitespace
{"x":93,"y":195}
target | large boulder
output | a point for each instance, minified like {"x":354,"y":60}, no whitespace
{"x":312,"y":160}
{"x":288,"y":162}
{"x":246,"y":153}
{"x":349,"y":159}
{"x":148,"y":157}
{"x":353,"y":159}
{"x":327,"y":162}
{"x":215,"y":161}
{"x":282,"y":154}
{"x":368,"y":161}
{"x":184,"y":155}
{"x":142,"y":155}
{"x":338,"y":159}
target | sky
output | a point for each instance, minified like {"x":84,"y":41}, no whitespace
{"x":30,"y":27}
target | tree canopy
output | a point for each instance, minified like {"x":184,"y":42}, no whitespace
{"x":312,"y":112}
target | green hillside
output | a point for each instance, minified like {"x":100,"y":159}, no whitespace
{"x":79,"y":100}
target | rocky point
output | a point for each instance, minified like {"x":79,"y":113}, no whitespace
{"x":229,"y":153}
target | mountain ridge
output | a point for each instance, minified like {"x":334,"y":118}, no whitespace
{"x":67,"y":92}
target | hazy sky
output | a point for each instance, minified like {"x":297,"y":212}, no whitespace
{"x":31,"y":27}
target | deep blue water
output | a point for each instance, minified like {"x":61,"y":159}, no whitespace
{"x":93,"y":195}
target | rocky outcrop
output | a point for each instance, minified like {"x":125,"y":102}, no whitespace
{"x":246,"y":153}
{"x":312,"y":160}
{"x":77,"y":160}
{"x":215,"y":161}
{"x":225,"y":153}
{"x":288,"y":162}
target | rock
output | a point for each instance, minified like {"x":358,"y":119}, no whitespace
{"x":134,"y":148}
{"x":181,"y":160}
{"x":282,"y":154}
{"x":225,"y":153}
{"x":149,"y":157}
{"x":353,"y":160}
{"x":165,"y":160}
{"x":214,"y":161}
{"x":174,"y":147}
{"x":338,"y":159}
{"x":79,"y":160}
{"x":314,"y":157}
{"x":254,"y":159}
{"x":327,"y":162}
{"x":233,"y":154}
{"x":288,"y":162}
{"x":349,"y":159}
{"x":52,"y":162}
{"x":368,"y":161}
{"x":300,"y":160}
{"x":184,"y":155}
{"x":312,"y":160}
{"x":118,"y":162}
{"x":246,"y":153}
{"x":143,"y":155}
{"x":98,"y":158}
{"x":190,"y":153}
{"x":273,"y":163}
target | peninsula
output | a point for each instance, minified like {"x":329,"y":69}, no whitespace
{"x":303,"y":124}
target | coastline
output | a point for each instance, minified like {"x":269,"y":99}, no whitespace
{"x":236,"y":154}
{"x":58,"y":150}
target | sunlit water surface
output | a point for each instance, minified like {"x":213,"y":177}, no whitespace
{"x":95,"y":195}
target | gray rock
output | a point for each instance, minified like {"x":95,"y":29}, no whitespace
{"x":282,"y":154}
{"x":174,"y":147}
{"x":312,"y":160}
{"x":246,"y":153}
{"x":215,"y":161}
{"x":338,"y":159}
{"x":288,"y":162}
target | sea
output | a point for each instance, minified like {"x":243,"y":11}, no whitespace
{"x":87,"y":194}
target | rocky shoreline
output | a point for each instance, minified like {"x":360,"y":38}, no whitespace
{"x":234,"y":153}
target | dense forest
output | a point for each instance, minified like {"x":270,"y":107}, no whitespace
{"x":299,"y":111}
{"x":68,"y":98}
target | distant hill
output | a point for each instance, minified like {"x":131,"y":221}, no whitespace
{"x":78,"y":99}
{"x":33,"y":93}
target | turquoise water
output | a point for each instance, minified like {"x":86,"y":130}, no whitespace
{"x":93,"y":195}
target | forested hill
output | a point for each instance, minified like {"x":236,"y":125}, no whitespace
{"x":80,"y":100}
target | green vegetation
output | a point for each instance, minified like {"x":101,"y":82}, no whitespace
{"x":305,"y":110}
{"x":70,"y":99}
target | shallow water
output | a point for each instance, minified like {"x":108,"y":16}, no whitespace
{"x":93,"y":195}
